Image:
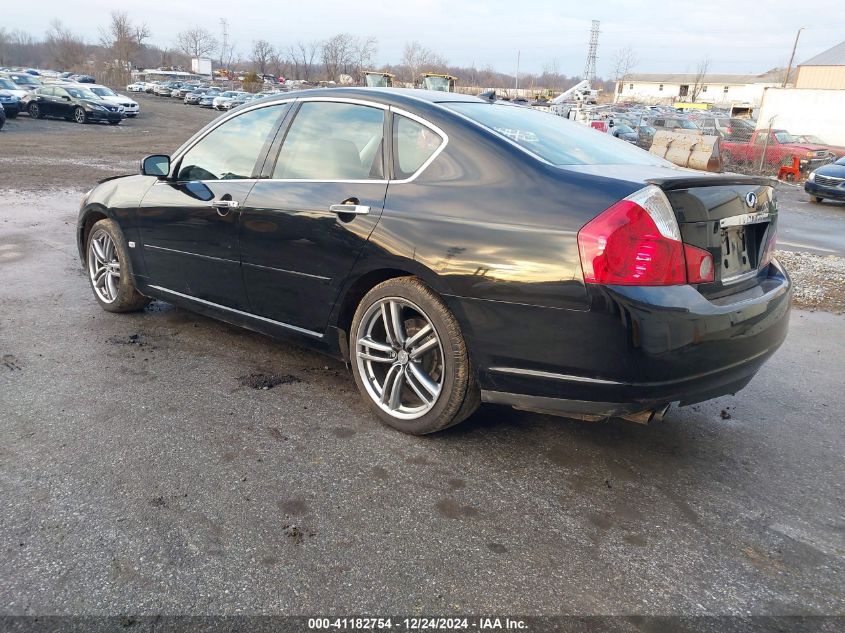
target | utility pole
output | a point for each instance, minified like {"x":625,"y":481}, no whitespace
{"x":224,"y":46}
{"x":792,"y":57}
{"x":516,"y":86}
{"x":590,"y":67}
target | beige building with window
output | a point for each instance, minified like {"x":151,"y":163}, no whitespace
{"x":825,"y":71}
{"x":722,"y":90}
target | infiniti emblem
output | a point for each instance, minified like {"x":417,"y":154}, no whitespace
{"x":751,"y":199}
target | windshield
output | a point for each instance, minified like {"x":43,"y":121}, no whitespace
{"x":8,"y":85}
{"x":25,"y":80}
{"x":687,"y":125}
{"x":104,"y":92}
{"x":785,"y":137}
{"x":812,"y":138}
{"x":841,"y":161}
{"x":553,"y":138}
{"x":624,"y":129}
{"x":81,"y":93}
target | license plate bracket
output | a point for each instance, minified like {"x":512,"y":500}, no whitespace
{"x":737,"y":251}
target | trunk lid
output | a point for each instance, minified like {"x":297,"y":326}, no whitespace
{"x":731,"y":217}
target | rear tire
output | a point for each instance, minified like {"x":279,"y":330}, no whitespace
{"x":110,"y":270}
{"x":410,"y":360}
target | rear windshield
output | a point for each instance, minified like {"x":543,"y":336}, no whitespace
{"x":553,"y":138}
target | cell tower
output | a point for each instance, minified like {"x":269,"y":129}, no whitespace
{"x":224,"y":24}
{"x":590,"y":68}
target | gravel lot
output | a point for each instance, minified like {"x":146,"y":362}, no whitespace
{"x":147,"y":470}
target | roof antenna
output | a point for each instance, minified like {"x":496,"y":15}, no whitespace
{"x":489,"y":95}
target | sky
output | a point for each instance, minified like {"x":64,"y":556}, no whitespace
{"x":666,"y":35}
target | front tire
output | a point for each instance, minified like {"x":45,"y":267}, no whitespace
{"x":409,"y":358}
{"x":35,"y":111}
{"x":109,"y":269}
{"x":79,"y":115}
{"x":816,"y":199}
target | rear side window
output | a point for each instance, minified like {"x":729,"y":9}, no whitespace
{"x":333,"y":141}
{"x":553,"y":138}
{"x":230,"y":151}
{"x":413,"y":144}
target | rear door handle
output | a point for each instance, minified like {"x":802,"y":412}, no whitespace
{"x":225,"y":204}
{"x":354,"y":209}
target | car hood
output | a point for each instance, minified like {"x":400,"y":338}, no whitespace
{"x":832,"y":169}
{"x":118,"y":99}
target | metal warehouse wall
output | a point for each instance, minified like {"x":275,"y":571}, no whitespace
{"x":826,"y":77}
{"x":799,"y":111}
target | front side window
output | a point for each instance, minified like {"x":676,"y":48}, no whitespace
{"x":333,"y":141}
{"x":553,"y":138}
{"x":413,"y":144}
{"x":230,"y":151}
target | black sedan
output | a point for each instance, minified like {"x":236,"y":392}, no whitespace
{"x":74,"y":103}
{"x":453,"y":251}
{"x":827,"y":182}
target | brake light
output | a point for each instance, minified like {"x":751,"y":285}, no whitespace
{"x":637,"y":242}
{"x":769,"y":251}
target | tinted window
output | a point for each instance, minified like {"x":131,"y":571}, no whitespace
{"x":5,"y":84}
{"x":47,"y":92}
{"x":553,"y":138}
{"x":413,"y":144}
{"x":333,"y":141}
{"x":230,"y":150}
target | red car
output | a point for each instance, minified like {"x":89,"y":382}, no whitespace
{"x":780,"y":147}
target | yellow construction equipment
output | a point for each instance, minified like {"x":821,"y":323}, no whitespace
{"x":688,"y":150}
{"x":377,"y":79}
{"x":438,"y":81}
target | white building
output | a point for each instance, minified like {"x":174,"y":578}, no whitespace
{"x":722,"y":90}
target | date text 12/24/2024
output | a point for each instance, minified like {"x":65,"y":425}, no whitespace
{"x":417,"y":624}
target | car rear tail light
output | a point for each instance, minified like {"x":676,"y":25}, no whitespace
{"x":769,"y":251}
{"x":700,"y":269}
{"x":637,"y":242}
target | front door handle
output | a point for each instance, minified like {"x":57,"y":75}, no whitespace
{"x":224,"y":206}
{"x":353,"y":209}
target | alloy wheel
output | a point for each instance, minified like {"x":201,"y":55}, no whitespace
{"x":34,"y":111}
{"x":103,"y":266}
{"x":400,"y":358}
{"x":79,"y":115}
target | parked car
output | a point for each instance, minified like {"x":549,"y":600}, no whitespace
{"x":184,"y":89}
{"x":223,"y":97}
{"x":165,"y":89}
{"x":234,"y":102}
{"x":130,"y":107}
{"x":2,"y":116}
{"x":23,"y":82}
{"x":726,"y":127}
{"x":11,"y":103}
{"x":623,"y":131}
{"x":780,"y":148}
{"x":674,"y":124}
{"x":827,"y":182}
{"x":12,"y":88}
{"x":837,"y":150}
{"x":623,"y":285}
{"x":207,"y":100}
{"x":150,"y":86}
{"x":193,"y":97}
{"x":82,"y":79}
{"x":138,"y":86}
{"x":74,"y":103}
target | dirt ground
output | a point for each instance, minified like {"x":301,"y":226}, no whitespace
{"x":61,"y":154}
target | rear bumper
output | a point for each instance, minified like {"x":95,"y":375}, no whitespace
{"x":636,"y":349}
{"x":834,"y":193}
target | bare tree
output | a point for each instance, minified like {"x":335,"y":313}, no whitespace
{"x":302,"y":56}
{"x":338,"y":54}
{"x":624,"y":61}
{"x":123,"y":38}
{"x":262,"y":53}
{"x":66,"y":49}
{"x":698,"y":82}
{"x":364,"y":52}
{"x":196,"y":42}
{"x":416,"y":58}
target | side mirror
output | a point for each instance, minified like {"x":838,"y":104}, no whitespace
{"x":157,"y":165}
{"x":65,"y":97}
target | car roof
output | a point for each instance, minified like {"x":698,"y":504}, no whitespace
{"x":391,"y":96}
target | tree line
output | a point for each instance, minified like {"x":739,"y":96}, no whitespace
{"x":124,"y":44}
